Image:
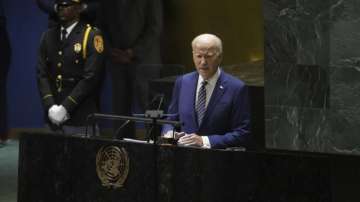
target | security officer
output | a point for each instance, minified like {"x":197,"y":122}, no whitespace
{"x":69,"y":69}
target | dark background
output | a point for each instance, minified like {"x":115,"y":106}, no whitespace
{"x":309,"y":50}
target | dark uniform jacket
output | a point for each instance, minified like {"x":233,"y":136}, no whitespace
{"x":69,"y":71}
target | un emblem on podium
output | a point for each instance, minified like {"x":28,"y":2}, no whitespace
{"x":112,"y":166}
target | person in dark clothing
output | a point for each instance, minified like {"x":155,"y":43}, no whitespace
{"x":88,"y":11}
{"x":4,"y":68}
{"x":69,"y":69}
{"x":132,"y":30}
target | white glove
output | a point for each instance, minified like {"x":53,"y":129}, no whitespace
{"x":58,"y":114}
{"x":51,"y":112}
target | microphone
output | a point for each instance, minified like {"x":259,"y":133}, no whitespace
{"x":155,"y":113}
{"x":120,"y":128}
{"x":90,"y":120}
{"x":154,"y":120}
{"x":162,"y":96}
{"x":152,"y":104}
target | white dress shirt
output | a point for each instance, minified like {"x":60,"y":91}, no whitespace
{"x":68,"y":29}
{"x":209,"y":86}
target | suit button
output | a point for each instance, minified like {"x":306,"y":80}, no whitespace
{"x":76,"y":61}
{"x":60,"y":52}
{"x":59,"y":64}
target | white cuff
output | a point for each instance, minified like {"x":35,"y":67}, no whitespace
{"x":206,"y":142}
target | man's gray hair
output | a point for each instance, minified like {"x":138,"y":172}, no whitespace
{"x":216,"y":39}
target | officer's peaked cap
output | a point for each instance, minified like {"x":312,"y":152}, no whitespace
{"x":67,"y":2}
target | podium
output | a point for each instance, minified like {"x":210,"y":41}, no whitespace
{"x":75,"y":169}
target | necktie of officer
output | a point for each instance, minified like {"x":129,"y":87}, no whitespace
{"x":201,"y":101}
{"x":63,"y":34}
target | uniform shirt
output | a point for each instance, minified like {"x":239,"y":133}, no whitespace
{"x":68,"y":29}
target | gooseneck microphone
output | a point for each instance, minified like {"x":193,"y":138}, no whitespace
{"x":120,"y":128}
{"x":92,"y":119}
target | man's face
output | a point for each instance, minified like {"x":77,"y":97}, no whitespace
{"x":206,"y":58}
{"x":68,"y":12}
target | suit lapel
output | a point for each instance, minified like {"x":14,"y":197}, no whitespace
{"x":218,"y":92}
{"x":192,"y":98}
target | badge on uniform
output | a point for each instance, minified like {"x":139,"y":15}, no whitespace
{"x":77,"y":47}
{"x":99,"y":43}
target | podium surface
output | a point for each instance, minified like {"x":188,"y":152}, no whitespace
{"x":65,"y":168}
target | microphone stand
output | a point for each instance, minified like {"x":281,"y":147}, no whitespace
{"x":154,"y":115}
{"x":151,"y":116}
{"x":119,"y":129}
{"x":92,"y":118}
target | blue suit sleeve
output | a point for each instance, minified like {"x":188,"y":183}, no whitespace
{"x":240,"y":123}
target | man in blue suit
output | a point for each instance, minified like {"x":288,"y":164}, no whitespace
{"x":212,"y":105}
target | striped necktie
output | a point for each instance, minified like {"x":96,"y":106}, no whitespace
{"x":201,"y":101}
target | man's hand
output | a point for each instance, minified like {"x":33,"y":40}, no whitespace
{"x":58,"y":114}
{"x":191,"y":140}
